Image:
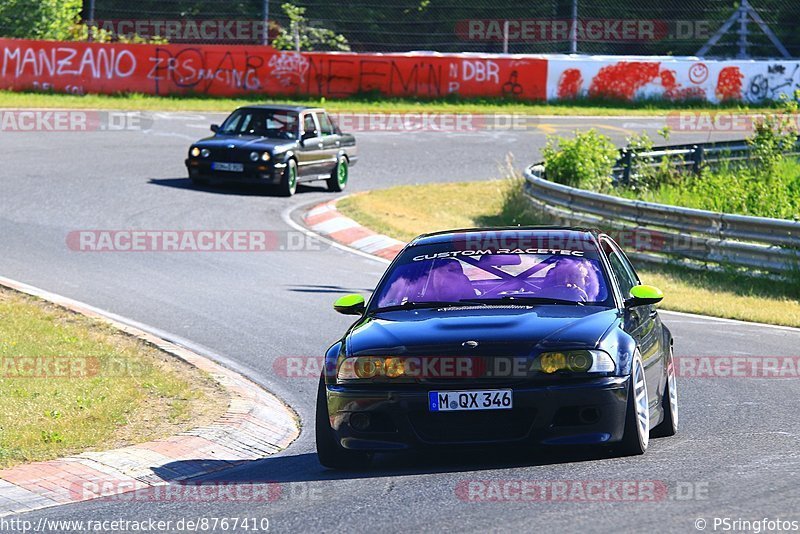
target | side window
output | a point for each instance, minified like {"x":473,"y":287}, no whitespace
{"x":621,"y":268}
{"x":309,"y":125}
{"x":325,"y":124}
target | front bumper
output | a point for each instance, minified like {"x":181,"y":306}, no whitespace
{"x":590,"y":412}
{"x":253,"y":173}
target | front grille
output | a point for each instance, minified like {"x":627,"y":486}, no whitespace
{"x":229,"y":155}
{"x":478,"y":426}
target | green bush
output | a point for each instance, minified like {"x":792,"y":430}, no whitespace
{"x":584,"y":161}
{"x":43,"y":19}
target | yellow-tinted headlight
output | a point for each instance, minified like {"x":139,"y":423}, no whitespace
{"x":195,"y":152}
{"x":553,"y":361}
{"x":394,"y":367}
{"x":576,"y":361}
{"x":368,"y":367}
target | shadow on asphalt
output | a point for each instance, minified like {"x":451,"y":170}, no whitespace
{"x":306,"y":468}
{"x":222,"y":188}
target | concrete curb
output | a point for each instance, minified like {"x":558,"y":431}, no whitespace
{"x":324,"y":219}
{"x":256,"y":424}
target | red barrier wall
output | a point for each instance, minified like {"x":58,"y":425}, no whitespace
{"x":235,"y":70}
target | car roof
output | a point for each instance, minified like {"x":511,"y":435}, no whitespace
{"x":280,"y":107}
{"x":519,"y":232}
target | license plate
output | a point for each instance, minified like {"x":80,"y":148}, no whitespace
{"x":454,"y":401}
{"x":230,"y":167}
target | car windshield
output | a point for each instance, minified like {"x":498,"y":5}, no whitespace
{"x":262,"y":122}
{"x":447,"y":274}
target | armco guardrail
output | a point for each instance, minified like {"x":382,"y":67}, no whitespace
{"x":665,"y":234}
{"x":694,"y":157}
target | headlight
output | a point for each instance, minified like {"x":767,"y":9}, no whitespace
{"x":363,"y":367}
{"x":576,"y":361}
{"x":265,"y":156}
{"x":253,"y":156}
{"x":194,"y":152}
{"x":205,"y":152}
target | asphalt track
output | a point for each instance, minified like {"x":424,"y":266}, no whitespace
{"x":736,"y":454}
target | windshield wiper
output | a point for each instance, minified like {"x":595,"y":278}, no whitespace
{"x":411,"y":305}
{"x":510,"y":299}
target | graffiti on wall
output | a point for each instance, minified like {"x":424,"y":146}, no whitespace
{"x":232,"y":70}
{"x":673,"y":79}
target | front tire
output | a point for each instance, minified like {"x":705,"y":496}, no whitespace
{"x":669,"y":404}
{"x":637,"y":416}
{"x":339,"y":176}
{"x":288,"y":185}
{"x":330,"y":453}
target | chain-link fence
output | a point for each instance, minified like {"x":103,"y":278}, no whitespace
{"x":760,"y":28}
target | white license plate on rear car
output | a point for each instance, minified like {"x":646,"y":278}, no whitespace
{"x":454,"y":401}
{"x":230,"y":167}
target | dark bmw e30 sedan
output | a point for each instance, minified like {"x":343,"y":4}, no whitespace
{"x":277,"y":145}
{"x":529,"y":336}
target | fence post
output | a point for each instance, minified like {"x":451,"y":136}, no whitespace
{"x":627,"y":158}
{"x":698,"y":158}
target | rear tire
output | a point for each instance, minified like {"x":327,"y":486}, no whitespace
{"x":339,"y":176}
{"x":669,"y":404}
{"x":288,"y":185}
{"x":330,"y":453}
{"x":637,"y":416}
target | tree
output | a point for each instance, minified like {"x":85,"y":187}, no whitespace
{"x":302,"y":36}
{"x":39,"y":19}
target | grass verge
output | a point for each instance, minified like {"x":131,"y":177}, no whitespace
{"x":361,"y":104}
{"x":71,"y":384}
{"x":406,"y":211}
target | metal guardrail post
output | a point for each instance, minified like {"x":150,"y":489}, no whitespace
{"x":698,"y":158}
{"x":627,"y":159}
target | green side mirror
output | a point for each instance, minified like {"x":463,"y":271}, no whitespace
{"x":350,"y":304}
{"x":644,"y":295}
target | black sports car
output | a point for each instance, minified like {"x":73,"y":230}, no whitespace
{"x":540,"y":336}
{"x":279,"y":145}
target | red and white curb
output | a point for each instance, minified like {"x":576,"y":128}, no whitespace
{"x":324,"y":219}
{"x":256,"y":424}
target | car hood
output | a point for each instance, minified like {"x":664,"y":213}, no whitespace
{"x":245,"y":142}
{"x":512,"y":330}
